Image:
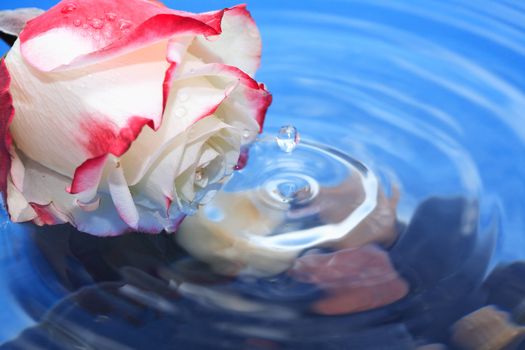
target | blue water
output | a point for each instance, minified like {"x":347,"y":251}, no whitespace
{"x":429,"y":94}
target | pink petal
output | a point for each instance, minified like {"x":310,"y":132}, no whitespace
{"x":88,"y":175}
{"x":73,"y":34}
{"x":254,"y":98}
{"x":6,"y":116}
{"x":90,"y":112}
{"x":47,"y":214}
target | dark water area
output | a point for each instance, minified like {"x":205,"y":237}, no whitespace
{"x":430,"y":95}
{"x":141,"y":291}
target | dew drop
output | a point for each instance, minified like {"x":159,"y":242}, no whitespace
{"x":246,"y":134}
{"x":183,"y":97}
{"x":288,"y":138}
{"x":96,"y":23}
{"x":199,"y":175}
{"x":77,"y":22}
{"x":180,"y":112}
{"x":110,"y":16}
{"x":68,"y":8}
{"x":85,"y":26}
{"x":125,"y":24}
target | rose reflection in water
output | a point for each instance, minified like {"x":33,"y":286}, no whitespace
{"x":141,"y":291}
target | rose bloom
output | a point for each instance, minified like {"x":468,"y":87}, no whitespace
{"x":123,"y":115}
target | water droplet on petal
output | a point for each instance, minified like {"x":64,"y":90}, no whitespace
{"x":96,"y":23}
{"x":288,"y":138}
{"x":110,"y":16}
{"x":85,"y":26}
{"x":68,"y":8}
{"x":246,"y":134}
{"x":183,"y":97}
{"x":199,"y":175}
{"x":125,"y":24}
{"x":77,"y":22}
{"x":180,"y":112}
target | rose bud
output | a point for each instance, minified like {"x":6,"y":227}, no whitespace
{"x":123,"y":115}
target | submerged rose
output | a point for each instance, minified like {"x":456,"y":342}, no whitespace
{"x":119,"y":114}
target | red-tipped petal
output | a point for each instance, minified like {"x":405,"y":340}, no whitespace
{"x":238,"y":45}
{"x":6,"y":116}
{"x":88,"y":175}
{"x":76,"y":33}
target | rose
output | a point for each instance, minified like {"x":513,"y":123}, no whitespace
{"x":236,"y":233}
{"x":122,"y":115}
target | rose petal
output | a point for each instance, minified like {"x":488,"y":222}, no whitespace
{"x":121,"y":196}
{"x":19,"y":208}
{"x":104,"y":221}
{"x":74,"y":34}
{"x":90,"y":112}
{"x":194,"y":97}
{"x":88,"y":175}
{"x":188,"y":103}
{"x":158,"y":184}
{"x":238,"y":45}
{"x":250,"y":99}
{"x":6,"y":116}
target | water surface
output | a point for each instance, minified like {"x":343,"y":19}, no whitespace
{"x":429,"y":94}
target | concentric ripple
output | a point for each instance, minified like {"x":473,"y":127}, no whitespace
{"x":430,"y":95}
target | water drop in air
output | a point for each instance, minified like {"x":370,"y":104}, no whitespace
{"x":68,"y":8}
{"x":288,"y":138}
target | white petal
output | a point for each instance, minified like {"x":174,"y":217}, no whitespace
{"x":239,"y":44}
{"x":189,"y":101}
{"x":121,"y":196}
{"x":90,"y":111}
{"x":19,"y":208}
